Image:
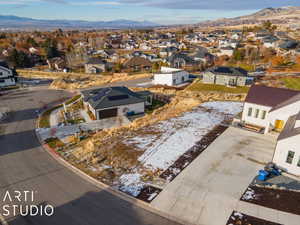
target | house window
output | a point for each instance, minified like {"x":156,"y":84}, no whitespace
{"x":263,"y":115}
{"x":256,"y":113}
{"x":250,"y":112}
{"x":290,"y":157}
{"x":298,"y":164}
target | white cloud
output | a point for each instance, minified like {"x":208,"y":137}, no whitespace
{"x":213,"y":4}
{"x":25,"y":2}
{"x":96,"y":3}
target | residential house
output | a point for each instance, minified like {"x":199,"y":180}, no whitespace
{"x":96,"y":65}
{"x":7,"y":76}
{"x":228,"y":43}
{"x":171,"y":77}
{"x":181,"y":60}
{"x":225,"y":51}
{"x":231,"y":76}
{"x":287,"y":152}
{"x":235,"y":36}
{"x":145,"y":46}
{"x":57,"y":63}
{"x":270,"y":108}
{"x":113,"y":102}
{"x":289,"y":44}
{"x":203,"y":56}
{"x":166,"y":52}
{"x":270,"y":41}
{"x":136,"y":64}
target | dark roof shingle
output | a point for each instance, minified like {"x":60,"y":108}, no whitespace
{"x":272,"y":97}
{"x":111,"y":97}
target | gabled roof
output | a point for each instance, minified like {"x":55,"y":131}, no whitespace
{"x":272,"y":97}
{"x":110,"y":97}
{"x":136,"y":61}
{"x":289,"y":128}
{"x":226,"y":70}
{"x":175,"y":56}
{"x":95,"y":60}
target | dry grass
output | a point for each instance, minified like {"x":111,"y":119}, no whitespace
{"x":73,"y":81}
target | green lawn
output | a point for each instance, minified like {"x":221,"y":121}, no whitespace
{"x":198,"y":86}
{"x":292,"y":83}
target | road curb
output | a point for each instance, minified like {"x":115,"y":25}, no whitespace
{"x":97,"y":183}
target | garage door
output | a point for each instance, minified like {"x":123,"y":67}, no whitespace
{"x":107,"y":113}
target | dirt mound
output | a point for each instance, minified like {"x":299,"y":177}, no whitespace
{"x":72,"y":81}
{"x":93,"y":80}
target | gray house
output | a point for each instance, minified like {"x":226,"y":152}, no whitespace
{"x":96,"y":65}
{"x":230,"y":76}
{"x":115,"y":101}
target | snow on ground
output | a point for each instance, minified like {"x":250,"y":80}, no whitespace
{"x":249,"y":194}
{"x":174,"y":137}
{"x":131,"y":184}
{"x":180,"y":134}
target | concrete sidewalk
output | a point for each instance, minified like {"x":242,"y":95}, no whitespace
{"x":209,"y":189}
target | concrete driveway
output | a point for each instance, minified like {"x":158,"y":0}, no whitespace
{"x":209,"y":189}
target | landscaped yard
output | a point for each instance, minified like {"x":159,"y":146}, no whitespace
{"x":199,"y":86}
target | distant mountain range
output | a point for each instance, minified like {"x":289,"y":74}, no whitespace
{"x":283,"y":16}
{"x":15,"y":22}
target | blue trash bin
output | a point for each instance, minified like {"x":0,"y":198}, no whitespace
{"x":262,"y":175}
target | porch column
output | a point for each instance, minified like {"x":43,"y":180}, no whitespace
{"x":267,"y":128}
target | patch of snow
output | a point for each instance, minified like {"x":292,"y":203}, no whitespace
{"x":152,"y":196}
{"x":131,"y":184}
{"x":231,"y":108}
{"x":180,"y":134}
{"x":186,"y":164}
{"x":249,"y":194}
{"x":240,"y":215}
{"x":141,"y":142}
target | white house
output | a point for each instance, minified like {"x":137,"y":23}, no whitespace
{"x":287,"y":152}
{"x":7,"y":77}
{"x":270,"y":108}
{"x":171,"y":77}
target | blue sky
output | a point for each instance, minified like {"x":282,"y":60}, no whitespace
{"x":160,"y":11}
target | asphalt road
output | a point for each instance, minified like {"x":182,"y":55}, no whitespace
{"x":25,"y":166}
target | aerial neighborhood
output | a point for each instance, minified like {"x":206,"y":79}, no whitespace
{"x":154,"y":124}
